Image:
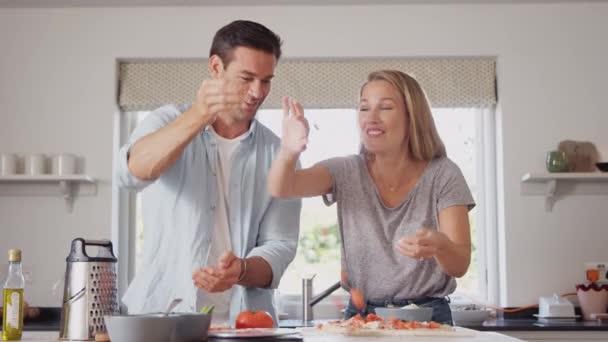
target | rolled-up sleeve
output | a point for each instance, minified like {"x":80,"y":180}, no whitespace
{"x":278,"y":236}
{"x":152,"y":123}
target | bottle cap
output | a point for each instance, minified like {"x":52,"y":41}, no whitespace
{"x":14,"y":255}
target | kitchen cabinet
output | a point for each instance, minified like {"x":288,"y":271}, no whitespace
{"x":554,"y":185}
{"x":549,"y":336}
{"x":68,"y":187}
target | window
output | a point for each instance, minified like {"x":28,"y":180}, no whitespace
{"x":463,"y":132}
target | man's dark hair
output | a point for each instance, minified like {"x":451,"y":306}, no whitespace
{"x":244,"y":33}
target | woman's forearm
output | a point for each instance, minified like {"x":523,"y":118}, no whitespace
{"x":454,"y":259}
{"x":281,"y":177}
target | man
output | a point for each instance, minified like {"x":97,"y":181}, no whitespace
{"x":210,"y":222}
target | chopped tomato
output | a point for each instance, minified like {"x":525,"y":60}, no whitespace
{"x":355,"y":322}
{"x":434,"y":325}
{"x":405,"y":325}
{"x":357,"y":317}
{"x":372,"y":318}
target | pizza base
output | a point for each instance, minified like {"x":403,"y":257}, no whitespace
{"x":454,"y":332}
{"x":377,"y":327}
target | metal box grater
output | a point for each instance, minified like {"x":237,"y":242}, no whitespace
{"x":90,"y":290}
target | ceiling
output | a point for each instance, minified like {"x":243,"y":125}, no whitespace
{"x":151,"y":3}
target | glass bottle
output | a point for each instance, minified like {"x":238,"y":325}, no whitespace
{"x":12,"y":315}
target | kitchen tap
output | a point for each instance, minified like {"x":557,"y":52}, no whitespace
{"x":308,"y":301}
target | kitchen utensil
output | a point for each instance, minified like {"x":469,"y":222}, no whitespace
{"x":420,"y":314}
{"x":63,"y":164}
{"x":555,"y":306}
{"x":581,"y":155}
{"x":469,"y":314}
{"x":192,"y":327}
{"x":8,"y":164}
{"x":252,"y":333}
{"x":593,"y":299}
{"x":142,"y":328}
{"x":90,"y":290}
{"x":602,"y":166}
{"x":557,"y":161}
{"x":35,"y":164}
{"x":593,"y":275}
{"x":597,"y":272}
{"x":172,"y":305}
{"x":175,"y":327}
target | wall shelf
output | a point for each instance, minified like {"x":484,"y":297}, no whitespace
{"x":68,"y":187}
{"x":554,"y":185}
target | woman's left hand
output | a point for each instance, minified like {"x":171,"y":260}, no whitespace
{"x":425,"y":243}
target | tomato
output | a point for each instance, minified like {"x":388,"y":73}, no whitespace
{"x":372,"y":318}
{"x":254,"y":319}
{"x":434,"y":325}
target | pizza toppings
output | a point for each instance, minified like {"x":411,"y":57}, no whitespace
{"x":357,"y":324}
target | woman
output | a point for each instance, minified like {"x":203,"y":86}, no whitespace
{"x":402,"y":204}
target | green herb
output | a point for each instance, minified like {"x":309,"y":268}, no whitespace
{"x":205,"y":310}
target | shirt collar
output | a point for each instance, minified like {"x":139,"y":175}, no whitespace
{"x":248,"y":137}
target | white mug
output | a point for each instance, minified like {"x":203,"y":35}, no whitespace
{"x":64,"y":164}
{"x":8,"y":164}
{"x":35,"y":164}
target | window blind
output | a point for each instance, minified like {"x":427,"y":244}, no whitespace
{"x":316,"y":83}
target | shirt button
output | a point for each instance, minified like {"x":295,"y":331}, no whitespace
{"x":212,"y":207}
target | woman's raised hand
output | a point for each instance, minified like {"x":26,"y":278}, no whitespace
{"x":295,"y":127}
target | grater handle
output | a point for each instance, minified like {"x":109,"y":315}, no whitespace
{"x":101,"y":243}
{"x":78,"y":251}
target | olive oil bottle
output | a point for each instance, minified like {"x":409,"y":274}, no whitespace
{"x":12,"y":299}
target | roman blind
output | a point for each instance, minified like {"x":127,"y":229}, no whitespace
{"x":317,"y":83}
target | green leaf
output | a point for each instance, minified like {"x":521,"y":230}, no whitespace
{"x":205,"y":310}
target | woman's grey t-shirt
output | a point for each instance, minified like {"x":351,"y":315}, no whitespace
{"x":369,"y":229}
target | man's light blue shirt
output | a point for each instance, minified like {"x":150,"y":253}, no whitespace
{"x":178,"y":216}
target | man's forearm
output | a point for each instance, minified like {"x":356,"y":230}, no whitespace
{"x":258,"y":273}
{"x":153,"y":154}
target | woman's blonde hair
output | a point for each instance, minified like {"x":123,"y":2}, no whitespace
{"x":424,"y":141}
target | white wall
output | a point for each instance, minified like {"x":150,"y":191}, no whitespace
{"x":57,"y":93}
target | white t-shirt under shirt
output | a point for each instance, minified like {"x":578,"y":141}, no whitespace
{"x":221,"y":233}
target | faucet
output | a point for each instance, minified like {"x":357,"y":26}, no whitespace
{"x":308,"y":301}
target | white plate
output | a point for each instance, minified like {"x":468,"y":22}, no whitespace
{"x":248,"y":333}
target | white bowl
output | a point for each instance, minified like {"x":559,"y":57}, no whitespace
{"x":416,"y":314}
{"x":192,"y":327}
{"x":469,"y":316}
{"x":141,"y":328}
{"x":177,"y":327}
